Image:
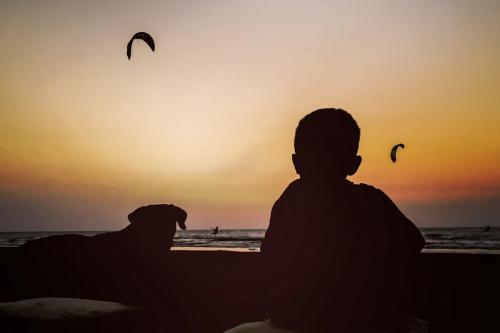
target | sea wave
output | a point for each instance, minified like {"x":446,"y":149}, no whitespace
{"x":436,"y":238}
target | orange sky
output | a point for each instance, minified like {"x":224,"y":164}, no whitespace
{"x":207,"y":120}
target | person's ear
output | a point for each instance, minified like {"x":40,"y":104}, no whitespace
{"x":356,"y":162}
{"x":296,"y":163}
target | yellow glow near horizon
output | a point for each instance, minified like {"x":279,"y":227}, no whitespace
{"x":209,"y":116}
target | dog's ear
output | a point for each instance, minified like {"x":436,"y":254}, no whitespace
{"x":137,"y":215}
{"x":181,"y":217}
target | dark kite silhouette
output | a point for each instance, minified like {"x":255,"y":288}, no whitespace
{"x":394,"y":151}
{"x":145,"y":37}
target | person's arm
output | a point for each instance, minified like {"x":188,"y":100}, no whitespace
{"x":405,"y":233}
{"x":277,"y":257}
{"x":273,"y":239}
{"x":279,"y":233}
{"x":399,"y":265}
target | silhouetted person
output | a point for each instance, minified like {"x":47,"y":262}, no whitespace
{"x":215,"y":231}
{"x":336,"y":252}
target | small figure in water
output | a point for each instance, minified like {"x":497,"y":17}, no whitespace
{"x":487,"y":228}
{"x":215,"y":231}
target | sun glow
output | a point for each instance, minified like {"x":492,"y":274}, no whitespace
{"x":208,"y":118}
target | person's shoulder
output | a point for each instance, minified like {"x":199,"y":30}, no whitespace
{"x":397,"y":225}
{"x":290,"y":192}
{"x":374,"y":195}
{"x":377,"y":199}
{"x":294,"y":187}
{"x":294,"y":184}
{"x":369,"y":190}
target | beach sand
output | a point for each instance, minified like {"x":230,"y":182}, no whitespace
{"x":212,"y":291}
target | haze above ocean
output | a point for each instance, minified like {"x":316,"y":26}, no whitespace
{"x":480,"y":240}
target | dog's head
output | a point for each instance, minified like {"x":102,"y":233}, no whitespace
{"x":157,"y":218}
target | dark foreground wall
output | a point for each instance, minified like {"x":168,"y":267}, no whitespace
{"x":198,"y":291}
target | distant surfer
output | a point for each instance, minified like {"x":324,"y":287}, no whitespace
{"x":487,"y":228}
{"x":215,"y":231}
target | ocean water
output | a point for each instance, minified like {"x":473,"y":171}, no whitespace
{"x":480,"y":240}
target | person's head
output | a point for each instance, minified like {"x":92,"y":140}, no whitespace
{"x":326,"y":145}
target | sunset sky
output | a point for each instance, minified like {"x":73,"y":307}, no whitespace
{"x":207,"y":120}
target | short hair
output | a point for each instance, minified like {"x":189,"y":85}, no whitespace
{"x":327,"y":130}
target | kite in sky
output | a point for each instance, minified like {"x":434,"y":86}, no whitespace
{"x":394,"y":151}
{"x":145,"y":37}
